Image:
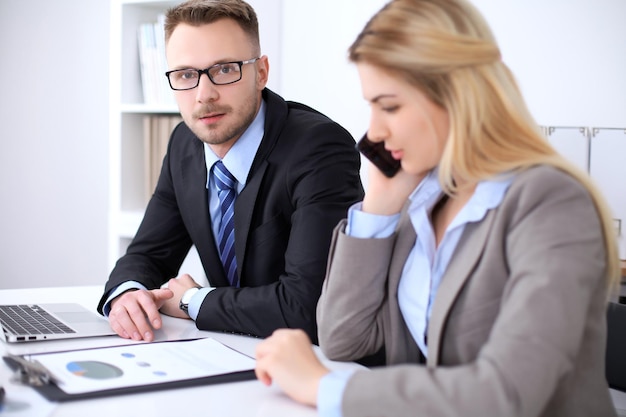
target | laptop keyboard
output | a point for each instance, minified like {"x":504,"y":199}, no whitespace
{"x":30,"y":319}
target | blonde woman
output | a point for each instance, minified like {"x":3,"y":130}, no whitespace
{"x":482,"y":268}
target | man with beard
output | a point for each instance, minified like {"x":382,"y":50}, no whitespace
{"x":256,"y":183}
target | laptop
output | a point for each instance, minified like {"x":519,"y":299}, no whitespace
{"x":52,"y":321}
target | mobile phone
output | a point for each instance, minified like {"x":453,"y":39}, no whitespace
{"x":379,"y":156}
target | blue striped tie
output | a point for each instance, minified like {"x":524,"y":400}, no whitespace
{"x":227,"y":193}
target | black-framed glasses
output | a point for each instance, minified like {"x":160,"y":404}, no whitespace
{"x":219,"y":74}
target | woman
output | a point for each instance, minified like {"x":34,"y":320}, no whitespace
{"x":482,"y":268}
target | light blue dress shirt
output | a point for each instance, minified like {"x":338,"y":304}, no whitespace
{"x":238,"y":161}
{"x":424,"y":266}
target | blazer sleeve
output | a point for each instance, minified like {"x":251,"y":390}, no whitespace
{"x":545,"y":346}
{"x":351,"y":307}
{"x":162,"y":240}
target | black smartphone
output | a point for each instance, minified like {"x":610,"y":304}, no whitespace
{"x":376,"y":152}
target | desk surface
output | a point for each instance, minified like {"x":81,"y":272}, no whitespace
{"x":250,"y":398}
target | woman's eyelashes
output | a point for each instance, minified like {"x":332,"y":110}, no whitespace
{"x":390,"y":109}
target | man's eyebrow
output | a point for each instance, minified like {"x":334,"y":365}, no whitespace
{"x":222,"y":61}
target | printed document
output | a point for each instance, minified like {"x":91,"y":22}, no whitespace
{"x":92,"y":370}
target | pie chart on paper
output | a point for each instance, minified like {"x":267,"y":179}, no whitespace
{"x":94,"y":370}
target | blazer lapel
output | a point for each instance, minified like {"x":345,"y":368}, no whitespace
{"x":244,"y":207}
{"x":275,"y":116}
{"x":405,"y":241}
{"x":467,"y":253}
{"x":193,"y":170}
{"x":402,"y":347}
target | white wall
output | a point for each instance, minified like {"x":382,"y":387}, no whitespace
{"x":569,"y":57}
{"x":53,"y":133}
{"x":270,"y":17}
{"x":315,"y":67}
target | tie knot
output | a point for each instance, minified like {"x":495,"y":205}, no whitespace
{"x":224,"y":180}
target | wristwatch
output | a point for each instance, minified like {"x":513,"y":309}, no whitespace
{"x":184,"y":300}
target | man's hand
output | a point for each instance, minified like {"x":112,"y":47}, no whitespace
{"x":178,"y":286}
{"x":287,"y":358}
{"x":135,"y":314}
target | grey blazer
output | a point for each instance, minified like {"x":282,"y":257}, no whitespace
{"x":518,"y":324}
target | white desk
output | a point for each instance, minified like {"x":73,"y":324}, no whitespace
{"x":249,"y":399}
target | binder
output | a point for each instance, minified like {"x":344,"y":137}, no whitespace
{"x":29,"y":371}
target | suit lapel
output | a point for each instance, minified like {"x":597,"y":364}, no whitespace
{"x":193,"y":170}
{"x":244,"y":208}
{"x":275,"y":116}
{"x":465,"y":258}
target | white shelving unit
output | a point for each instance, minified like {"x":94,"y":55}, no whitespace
{"x":599,"y":152}
{"x":606,"y":166}
{"x":126,"y":111}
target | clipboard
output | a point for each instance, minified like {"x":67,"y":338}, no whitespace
{"x":32,"y":373}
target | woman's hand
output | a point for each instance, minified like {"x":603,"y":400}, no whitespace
{"x":288,"y":359}
{"x":386,"y":196}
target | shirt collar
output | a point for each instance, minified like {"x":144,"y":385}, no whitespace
{"x":487,"y":195}
{"x":428,"y":189}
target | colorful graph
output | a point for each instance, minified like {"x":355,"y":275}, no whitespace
{"x":94,"y":370}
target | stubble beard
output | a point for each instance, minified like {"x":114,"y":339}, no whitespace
{"x":218,"y":134}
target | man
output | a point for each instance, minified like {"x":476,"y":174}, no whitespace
{"x":246,"y":166}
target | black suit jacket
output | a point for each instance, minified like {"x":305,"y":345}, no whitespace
{"x":303,"y":178}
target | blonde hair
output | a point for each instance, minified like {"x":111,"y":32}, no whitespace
{"x":446,"y":49}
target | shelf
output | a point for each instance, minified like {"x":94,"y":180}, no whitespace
{"x":127,"y":141}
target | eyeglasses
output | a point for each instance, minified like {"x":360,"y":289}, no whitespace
{"x":219,"y":74}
